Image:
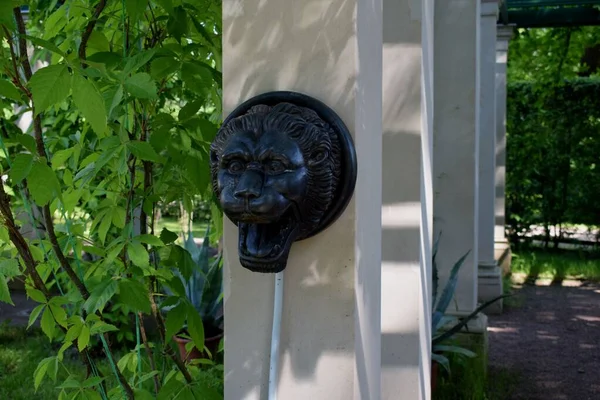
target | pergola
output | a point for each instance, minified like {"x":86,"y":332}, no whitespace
{"x":549,"y":13}
{"x":421,"y":84}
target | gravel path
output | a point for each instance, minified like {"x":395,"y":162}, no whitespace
{"x":550,"y":340}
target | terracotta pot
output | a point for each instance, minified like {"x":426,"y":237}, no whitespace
{"x":212,"y":343}
{"x":434,"y":375}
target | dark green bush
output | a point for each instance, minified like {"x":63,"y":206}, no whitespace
{"x":553,"y":155}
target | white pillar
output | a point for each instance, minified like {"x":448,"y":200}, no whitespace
{"x":487,"y":132}
{"x":489,"y":275}
{"x":456,"y":153}
{"x":502,"y":248}
{"x":504,"y":34}
{"x":407,"y":199}
{"x":330,"y":339}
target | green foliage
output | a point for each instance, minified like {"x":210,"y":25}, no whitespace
{"x":202,"y":285}
{"x":550,"y":54}
{"x":552,"y":152}
{"x":445,"y":326}
{"x":124,"y":120}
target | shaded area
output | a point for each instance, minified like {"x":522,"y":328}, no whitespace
{"x":551,"y":342}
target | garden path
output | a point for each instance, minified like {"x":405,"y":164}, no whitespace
{"x":548,"y":339}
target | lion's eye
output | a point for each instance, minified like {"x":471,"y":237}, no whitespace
{"x":235,"y":167}
{"x":275,"y":167}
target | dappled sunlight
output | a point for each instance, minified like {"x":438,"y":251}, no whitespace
{"x":503,"y":330}
{"x":588,"y":318}
{"x":557,"y":323}
{"x":315,"y":277}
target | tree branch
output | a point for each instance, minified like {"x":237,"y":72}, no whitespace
{"x":19,"y":241}
{"x":89,"y":29}
{"x":22,"y":43}
{"x":41,"y":150}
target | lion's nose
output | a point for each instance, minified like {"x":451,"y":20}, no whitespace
{"x":250,"y":185}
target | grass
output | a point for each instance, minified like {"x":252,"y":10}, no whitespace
{"x":21,"y":350}
{"x":557,"y":264}
{"x":468,"y":381}
{"x":173,"y":224}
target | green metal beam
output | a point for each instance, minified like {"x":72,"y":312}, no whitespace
{"x":553,"y":17}
{"x":511,"y":4}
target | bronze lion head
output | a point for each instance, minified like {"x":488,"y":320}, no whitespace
{"x":283,"y":167}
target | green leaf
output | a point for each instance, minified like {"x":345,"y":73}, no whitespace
{"x":35,"y":314}
{"x":9,"y":268}
{"x":47,"y":323}
{"x":138,"y":254}
{"x":27,"y":141}
{"x":6,"y":15}
{"x":197,"y":77}
{"x":46,"y":45}
{"x":198,"y":173}
{"x":141,"y":86}
{"x":175,"y":320}
{"x":167,"y":236}
{"x":97,"y":42}
{"x":61,"y":156}
{"x":84,"y":338}
{"x":55,"y":22}
{"x":21,"y":167}
{"x":118,"y":217}
{"x":189,"y":110}
{"x":163,"y":66}
{"x":103,"y":229}
{"x":36,"y":295}
{"x":42,"y":183}
{"x":90,"y":102}
{"x":102,"y":327}
{"x":149,"y":239}
{"x":201,"y":30}
{"x":116,"y":100}
{"x":49,"y":86}
{"x":195,"y":327}
{"x":4,"y":293}
{"x":171,"y":390}
{"x":9,"y":91}
{"x":134,"y":295}
{"x":91,"y":382}
{"x":137,"y":61}
{"x":70,"y":383}
{"x":41,"y":370}
{"x":144,"y":151}
{"x":100,"y":295}
{"x":177,"y":24}
{"x":135,"y":9}
{"x":73,"y":332}
{"x":60,"y":316}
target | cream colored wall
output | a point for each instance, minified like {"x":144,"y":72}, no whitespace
{"x":330,"y":329}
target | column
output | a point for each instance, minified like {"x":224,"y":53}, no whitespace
{"x":407,"y":199}
{"x":489,"y":275}
{"x":456,"y":145}
{"x":330,"y":339}
{"x":501,"y":247}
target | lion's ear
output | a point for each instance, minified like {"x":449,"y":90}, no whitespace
{"x":317,"y":157}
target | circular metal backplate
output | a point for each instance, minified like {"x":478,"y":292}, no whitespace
{"x":348,"y":152}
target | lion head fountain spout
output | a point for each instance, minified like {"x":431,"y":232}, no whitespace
{"x":284,"y":168}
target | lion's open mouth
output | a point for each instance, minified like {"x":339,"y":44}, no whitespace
{"x":265,"y":247}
